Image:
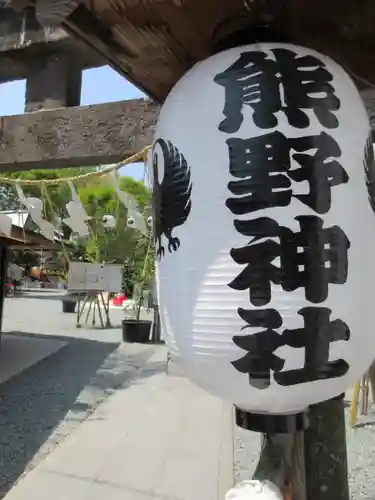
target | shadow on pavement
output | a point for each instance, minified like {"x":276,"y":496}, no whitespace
{"x":42,"y":405}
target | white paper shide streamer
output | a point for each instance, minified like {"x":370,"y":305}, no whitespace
{"x":35,"y":208}
{"x":264,"y":196}
{"x":77,"y":220}
{"x":5,"y":225}
{"x":135,"y":218}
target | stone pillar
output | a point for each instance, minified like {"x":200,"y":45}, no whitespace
{"x":55,"y":83}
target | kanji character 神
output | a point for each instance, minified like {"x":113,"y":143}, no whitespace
{"x":311,"y":258}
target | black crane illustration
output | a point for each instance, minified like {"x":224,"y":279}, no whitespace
{"x":172,"y":196}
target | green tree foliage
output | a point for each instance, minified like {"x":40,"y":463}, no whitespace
{"x":59,"y":194}
{"x":121,"y":244}
{"x":99,"y":194}
{"x":8,"y":198}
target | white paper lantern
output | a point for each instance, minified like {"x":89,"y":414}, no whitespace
{"x":263,"y":169}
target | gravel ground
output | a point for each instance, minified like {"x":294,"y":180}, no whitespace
{"x":361,"y":456}
{"x":246,"y":453}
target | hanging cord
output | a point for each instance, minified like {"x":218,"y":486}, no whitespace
{"x":43,"y":190}
{"x":143,"y":275}
{"x":99,"y":173}
{"x":22,"y":208}
{"x":147,"y":172}
{"x":54,"y":213}
{"x":117,"y":218}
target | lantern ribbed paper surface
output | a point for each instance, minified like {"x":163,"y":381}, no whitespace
{"x":263,"y":180}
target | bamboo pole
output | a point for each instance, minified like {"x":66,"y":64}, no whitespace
{"x":354,"y":405}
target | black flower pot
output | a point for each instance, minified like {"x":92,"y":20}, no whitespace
{"x":69,"y":306}
{"x":136,"y":331}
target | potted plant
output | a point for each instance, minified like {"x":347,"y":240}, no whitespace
{"x":69,"y":302}
{"x":135,"y":327}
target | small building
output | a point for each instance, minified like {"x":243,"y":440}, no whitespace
{"x":24,"y":233}
{"x":23,"y":236}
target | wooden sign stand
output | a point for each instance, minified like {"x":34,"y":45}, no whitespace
{"x":93,"y":302}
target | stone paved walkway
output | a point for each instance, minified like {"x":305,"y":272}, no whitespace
{"x":158,"y":437}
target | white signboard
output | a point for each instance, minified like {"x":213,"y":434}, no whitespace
{"x":86,"y":277}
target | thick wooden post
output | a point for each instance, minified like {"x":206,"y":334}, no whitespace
{"x":56,"y":83}
{"x":282,"y":462}
{"x":325,"y":452}
{"x":282,"y":456}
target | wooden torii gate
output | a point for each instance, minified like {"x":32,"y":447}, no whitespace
{"x":55,"y":131}
{"x":154,"y":43}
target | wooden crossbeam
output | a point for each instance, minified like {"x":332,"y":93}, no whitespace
{"x":77,"y":136}
{"x":16,"y":34}
{"x":24,"y":42}
{"x":53,"y":12}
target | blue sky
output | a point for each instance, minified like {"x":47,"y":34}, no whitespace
{"x":98,"y":86}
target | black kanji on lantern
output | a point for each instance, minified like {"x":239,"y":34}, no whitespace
{"x":260,"y":358}
{"x":311,"y":258}
{"x":264,"y":166}
{"x":315,"y":337}
{"x":284,"y":82}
